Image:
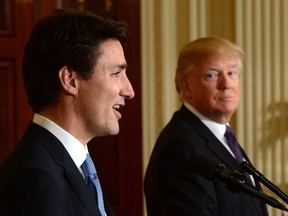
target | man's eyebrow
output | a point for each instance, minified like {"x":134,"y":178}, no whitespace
{"x":212,"y":67}
{"x":234,"y":65}
{"x":122,"y":66}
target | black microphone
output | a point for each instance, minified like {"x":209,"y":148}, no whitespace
{"x":235,"y":181}
{"x":246,"y":166}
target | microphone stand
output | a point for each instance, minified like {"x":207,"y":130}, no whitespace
{"x":235,"y":180}
{"x":237,"y":183}
{"x":261,"y":178}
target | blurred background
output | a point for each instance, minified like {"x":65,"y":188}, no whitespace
{"x":159,"y":29}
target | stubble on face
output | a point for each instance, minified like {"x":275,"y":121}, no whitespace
{"x":98,"y":95}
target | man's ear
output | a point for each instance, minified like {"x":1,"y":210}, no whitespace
{"x":185,"y":89}
{"x":68,"y":80}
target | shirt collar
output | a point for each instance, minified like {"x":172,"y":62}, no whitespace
{"x":75,"y":148}
{"x":217,"y":129}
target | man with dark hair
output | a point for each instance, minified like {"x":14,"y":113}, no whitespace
{"x":74,"y":71}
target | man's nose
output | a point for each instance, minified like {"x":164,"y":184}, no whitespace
{"x":224,"y":81}
{"x":128,"y":91}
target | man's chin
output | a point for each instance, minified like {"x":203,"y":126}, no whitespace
{"x":111,"y":131}
{"x":114,"y":130}
{"x":228,"y":108}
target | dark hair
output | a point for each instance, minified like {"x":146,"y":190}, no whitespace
{"x":66,"y":38}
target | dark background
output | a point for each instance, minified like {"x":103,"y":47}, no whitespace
{"x":119,"y":158}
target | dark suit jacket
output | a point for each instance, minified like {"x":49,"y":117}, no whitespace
{"x":172,"y":188}
{"x":40,"y":178}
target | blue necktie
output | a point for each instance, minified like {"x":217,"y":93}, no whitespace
{"x":233,"y":144}
{"x":92,"y":181}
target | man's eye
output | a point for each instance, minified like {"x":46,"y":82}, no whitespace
{"x":211,"y":75}
{"x":116,"y":74}
{"x":232,"y":72}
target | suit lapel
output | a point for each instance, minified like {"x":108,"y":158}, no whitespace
{"x":77,"y":182}
{"x":215,"y":146}
{"x":62,"y":158}
{"x":108,"y":209}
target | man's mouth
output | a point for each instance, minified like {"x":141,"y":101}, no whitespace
{"x":116,"y":106}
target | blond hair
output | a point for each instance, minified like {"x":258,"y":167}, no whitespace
{"x":202,"y":49}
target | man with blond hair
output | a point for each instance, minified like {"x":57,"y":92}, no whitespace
{"x":208,"y":83}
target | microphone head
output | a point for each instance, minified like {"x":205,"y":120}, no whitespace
{"x":205,"y":166}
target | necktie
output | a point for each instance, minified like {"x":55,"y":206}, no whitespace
{"x":235,"y":148}
{"x":233,"y":144}
{"x":92,"y":181}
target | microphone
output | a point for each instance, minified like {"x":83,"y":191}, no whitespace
{"x":246,"y":166}
{"x":210,"y":168}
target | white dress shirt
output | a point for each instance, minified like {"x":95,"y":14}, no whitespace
{"x":76,"y":149}
{"x":217,"y":129}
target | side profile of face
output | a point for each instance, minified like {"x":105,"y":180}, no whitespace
{"x":100,"y":98}
{"x":213,"y":87}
